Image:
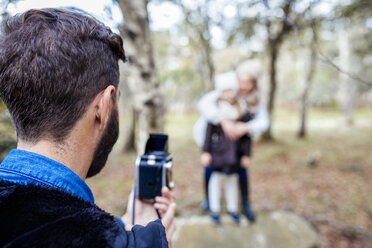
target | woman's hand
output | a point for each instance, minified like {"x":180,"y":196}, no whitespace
{"x":206,"y":159}
{"x":245,"y":161}
{"x":234,"y":130}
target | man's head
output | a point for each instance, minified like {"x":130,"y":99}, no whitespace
{"x":53,"y":65}
{"x":103,"y":148}
{"x":248,"y":74}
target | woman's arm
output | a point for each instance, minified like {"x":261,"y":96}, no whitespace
{"x":199,"y":131}
{"x":260,"y":122}
{"x":208,"y":109}
{"x":254,"y":127}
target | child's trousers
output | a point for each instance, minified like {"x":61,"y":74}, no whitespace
{"x":231,"y":192}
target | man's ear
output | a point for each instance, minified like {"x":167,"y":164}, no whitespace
{"x":104,"y":106}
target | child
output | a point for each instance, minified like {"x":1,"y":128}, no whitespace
{"x":222,"y":154}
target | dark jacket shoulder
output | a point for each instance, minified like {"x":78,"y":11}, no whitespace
{"x":36,"y":216}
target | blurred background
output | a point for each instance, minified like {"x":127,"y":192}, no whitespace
{"x":315,"y":160}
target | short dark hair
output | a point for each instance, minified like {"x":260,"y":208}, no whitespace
{"x":53,"y":62}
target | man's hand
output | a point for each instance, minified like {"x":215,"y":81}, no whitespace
{"x":206,"y":159}
{"x":245,"y":161}
{"x":146,"y":212}
{"x":234,"y":131}
{"x":166,"y":205}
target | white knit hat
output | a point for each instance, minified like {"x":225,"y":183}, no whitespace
{"x":226,"y":81}
{"x":251,"y":67}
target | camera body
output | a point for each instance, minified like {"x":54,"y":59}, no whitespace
{"x":154,"y":168}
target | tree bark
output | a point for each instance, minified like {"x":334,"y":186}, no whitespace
{"x":130,"y":139}
{"x":274,"y":51}
{"x":308,"y":82}
{"x":207,"y":67}
{"x":275,"y":40}
{"x":143,"y":80}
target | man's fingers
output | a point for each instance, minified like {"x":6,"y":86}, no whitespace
{"x":167,"y":193}
{"x":168,"y":217}
{"x":167,"y":206}
{"x":162,"y":200}
{"x":161,"y":207}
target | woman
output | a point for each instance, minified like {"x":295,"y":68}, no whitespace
{"x":248,"y":74}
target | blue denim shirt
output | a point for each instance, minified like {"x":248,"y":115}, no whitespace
{"x":27,"y":167}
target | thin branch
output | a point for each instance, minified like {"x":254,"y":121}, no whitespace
{"x":339,"y":69}
{"x":323,"y":58}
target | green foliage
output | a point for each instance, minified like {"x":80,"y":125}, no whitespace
{"x":181,"y":84}
{"x":8,"y":139}
{"x":2,"y":106}
{"x":246,"y":35}
{"x":244,"y":31}
{"x":7,"y":143}
{"x":360,"y":8}
{"x":178,"y":73}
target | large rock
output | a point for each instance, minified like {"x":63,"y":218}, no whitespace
{"x":272,"y":230}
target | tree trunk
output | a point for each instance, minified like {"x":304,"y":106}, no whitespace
{"x":130,"y":139}
{"x":274,"y":51}
{"x":308,"y":82}
{"x":347,"y":88}
{"x":142,"y":80}
{"x":207,"y":67}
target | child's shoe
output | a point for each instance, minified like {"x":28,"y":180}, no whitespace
{"x":249,"y":214}
{"x":215,"y":218}
{"x":235,"y":217}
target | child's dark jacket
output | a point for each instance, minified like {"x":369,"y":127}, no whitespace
{"x":226,"y":153}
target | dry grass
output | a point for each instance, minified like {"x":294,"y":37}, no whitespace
{"x":335,"y":193}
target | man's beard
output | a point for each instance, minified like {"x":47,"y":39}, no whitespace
{"x":104,"y":147}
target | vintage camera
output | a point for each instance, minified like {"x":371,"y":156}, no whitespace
{"x":154,"y":168}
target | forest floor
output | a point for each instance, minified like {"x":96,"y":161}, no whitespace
{"x":326,"y":178}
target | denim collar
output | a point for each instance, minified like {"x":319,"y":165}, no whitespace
{"x":27,"y":167}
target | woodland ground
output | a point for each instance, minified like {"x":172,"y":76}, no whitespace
{"x":325,"y":178}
